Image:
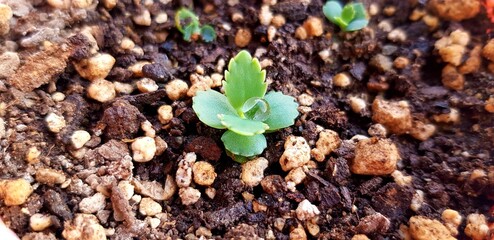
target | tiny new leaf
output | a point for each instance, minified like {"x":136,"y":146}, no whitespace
{"x":246,"y":146}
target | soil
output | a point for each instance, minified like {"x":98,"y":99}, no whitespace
{"x":453,"y":168}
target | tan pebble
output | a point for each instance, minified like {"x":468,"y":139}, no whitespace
{"x":422,"y":131}
{"x":161,"y":145}
{"x":452,"y":219}
{"x":143,"y":149}
{"x":54,"y":122}
{"x":452,"y":117}
{"x":101,"y":90}
{"x":204,"y":173}
{"x":488,"y":50}
{"x":95,"y":67}
{"x":143,"y":19}
{"x":127,"y":189}
{"x":451,"y":78}
{"x":313,"y":26}
{"x":375,"y":157}
{"x":189,"y":195}
{"x":417,"y":14}
{"x":161,"y":18}
{"x":389,"y":11}
{"x":82,"y":3}
{"x":237,"y":17}
{"x":5,"y":16}
{"x":301,"y":33}
{"x":136,"y":68}
{"x":374,"y":9}
{"x":489,"y":105}
{"x":377,"y":130}
{"x":278,"y":20}
{"x":253,"y":171}
{"x":258,"y":207}
{"x":202,"y":231}
{"x":455,"y":10}
{"x":460,"y":37}
{"x":271,"y":33}
{"x":306,"y":210}
{"x":59,"y":4}
{"x":265,"y":15}
{"x":477,"y":227}
{"x":146,"y":85}
{"x":148,"y":129}
{"x":296,"y":175}
{"x":328,"y":141}
{"x":170,"y":188}
{"x":83,"y":226}
{"x":397,"y":35}
{"x":127,"y":43}
{"x":79,"y":138}
{"x":200,"y":86}
{"x":50,"y":176}
{"x":183,"y":176}
{"x":452,"y":54}
{"x":58,"y":96}
{"x":422,"y":228}
{"x":357,"y":104}
{"x":176,"y":89}
{"x":401,"y":62}
{"x":9,"y":63}
{"x":317,"y":155}
{"x":15,"y":192}
{"x":473,"y":62}
{"x":342,"y":80}
{"x":165,"y":114}
{"x":243,"y":37}
{"x":39,"y":222}
{"x":305,"y":99}
{"x":32,"y":155}
{"x":396,"y":116}
{"x":296,"y":154}
{"x":109,"y":4}
{"x":123,"y":88}
{"x":401,"y":179}
{"x":312,"y":228}
{"x":298,"y":234}
{"x":360,"y":237}
{"x":93,"y":203}
{"x":149,"y":207}
{"x":431,"y":21}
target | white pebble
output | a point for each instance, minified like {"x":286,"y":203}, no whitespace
{"x":95,"y":67}
{"x":39,"y":222}
{"x":149,"y":207}
{"x":146,"y":85}
{"x":306,"y":210}
{"x":189,"y":195}
{"x":165,"y":114}
{"x":93,"y":203}
{"x":143,"y":149}
{"x":101,"y":90}
{"x":253,"y":171}
{"x":54,"y":122}
{"x":79,"y":138}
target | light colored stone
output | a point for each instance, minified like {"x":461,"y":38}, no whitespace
{"x":95,"y":67}
{"x":170,"y":187}
{"x":296,"y":154}
{"x":422,"y":131}
{"x":143,"y":149}
{"x":396,"y":116}
{"x":50,"y":176}
{"x":422,"y":228}
{"x":143,"y":19}
{"x":183,"y":177}
{"x":153,"y":222}
{"x":148,"y":129}
{"x":161,"y":18}
{"x":455,"y":10}
{"x":79,"y":138}
{"x":313,"y":26}
{"x":417,"y":200}
{"x":204,"y":173}
{"x":109,"y":4}
{"x":298,"y":233}
{"x":452,"y":54}
{"x":360,"y":237}
{"x":243,"y":37}
{"x":5,"y":16}
{"x":253,"y":171}
{"x":165,"y":114}
{"x":189,"y":195}
{"x":397,"y":35}
{"x":92,"y":204}
{"x":39,"y":222}
{"x":342,"y":80}
{"x":136,"y":68}
{"x":84,"y":227}
{"x":15,"y":192}
{"x":375,"y":157}
{"x":54,"y":122}
{"x":123,"y":88}
{"x":82,"y":3}
{"x":401,"y":179}
{"x":127,"y":189}
{"x":477,"y":227}
{"x":452,"y":220}
{"x":9,"y":63}
{"x":453,"y":116}
{"x":176,"y":89}
{"x":296,"y":175}
{"x":32,"y":155}
{"x":357,"y":104}
{"x":146,"y":85}
{"x":328,"y":141}
{"x":148,"y":207}
{"x":265,"y":15}
{"x":306,"y":210}
{"x":101,"y":90}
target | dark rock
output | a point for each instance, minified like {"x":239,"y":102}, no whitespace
{"x":157,"y":72}
{"x":121,"y":120}
{"x":57,"y":205}
{"x":204,"y":147}
{"x":225,"y":217}
{"x":375,"y":223}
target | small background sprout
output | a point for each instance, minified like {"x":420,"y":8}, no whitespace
{"x":349,"y":18}
{"x":188,"y":24}
{"x":246,"y":111}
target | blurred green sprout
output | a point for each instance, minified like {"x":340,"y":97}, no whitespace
{"x":351,"y":17}
{"x":188,"y":24}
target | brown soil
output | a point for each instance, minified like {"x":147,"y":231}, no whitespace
{"x":440,"y":166}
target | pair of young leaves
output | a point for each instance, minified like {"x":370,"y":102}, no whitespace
{"x":192,"y":26}
{"x":352,"y":17}
{"x":245,"y":109}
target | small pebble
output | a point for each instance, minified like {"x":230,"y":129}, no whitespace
{"x":93,"y":203}
{"x":143,"y":19}
{"x":50,"y":176}
{"x":265,"y":15}
{"x":243,"y":37}
{"x":296,"y":154}
{"x":83,"y":224}
{"x":149,"y":207}
{"x":425,"y":228}
{"x":477,"y":227}
{"x":95,"y":67}
{"x":165,"y":114}
{"x":342,"y":80}
{"x":204,"y":173}
{"x":54,"y":122}
{"x":101,"y":90}
{"x":146,"y":85}
{"x":306,"y":210}
{"x":9,"y":63}
{"x":375,"y":157}
{"x":313,"y":26}
{"x":143,"y":149}
{"x":189,"y":195}
{"x":176,"y":89}
{"x":253,"y":171}
{"x":15,"y":192}
{"x":39,"y":222}
{"x":79,"y":138}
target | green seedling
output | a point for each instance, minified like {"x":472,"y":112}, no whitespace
{"x":352,"y":17}
{"x":188,"y":24}
{"x":245,"y":110}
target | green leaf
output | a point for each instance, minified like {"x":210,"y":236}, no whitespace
{"x":242,"y":126}
{"x":244,"y":80}
{"x":190,"y":30}
{"x":208,"y":105}
{"x":331,"y":10}
{"x":348,"y":13}
{"x":184,"y":15}
{"x":246,"y":146}
{"x":360,"y":12}
{"x":283,"y":110}
{"x":208,"y":33}
{"x":256,"y":109}
{"x":342,"y":24}
{"x":357,"y":24}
